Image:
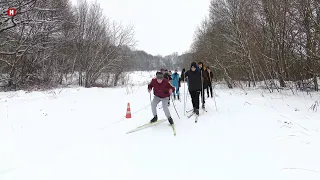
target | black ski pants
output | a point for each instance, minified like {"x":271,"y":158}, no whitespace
{"x":195,"y":98}
{"x":203,"y":101}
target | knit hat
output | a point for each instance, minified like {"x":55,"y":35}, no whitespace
{"x":160,"y":75}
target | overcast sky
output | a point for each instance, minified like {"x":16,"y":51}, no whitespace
{"x":161,"y":26}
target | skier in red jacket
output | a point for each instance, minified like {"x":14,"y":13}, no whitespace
{"x":162,"y":90}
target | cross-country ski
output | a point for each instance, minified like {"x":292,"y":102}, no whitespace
{"x":147,"y":125}
{"x":190,"y":115}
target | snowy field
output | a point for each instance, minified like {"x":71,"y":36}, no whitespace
{"x":78,"y":133}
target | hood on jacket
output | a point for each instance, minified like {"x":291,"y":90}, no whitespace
{"x":193,"y":64}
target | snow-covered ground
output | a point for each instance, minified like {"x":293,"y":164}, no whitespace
{"x":78,"y":133}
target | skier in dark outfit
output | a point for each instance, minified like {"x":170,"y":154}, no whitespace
{"x":167,"y":76}
{"x":210,"y":82}
{"x":194,"y":78}
{"x":162,"y":90}
{"x":182,"y":75}
{"x":204,"y":81}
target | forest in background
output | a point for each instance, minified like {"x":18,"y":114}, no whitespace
{"x":49,"y":42}
{"x":270,"y":41}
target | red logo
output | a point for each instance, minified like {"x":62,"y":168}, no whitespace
{"x":11,"y":12}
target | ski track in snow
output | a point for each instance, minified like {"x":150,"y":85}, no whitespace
{"x":78,"y":133}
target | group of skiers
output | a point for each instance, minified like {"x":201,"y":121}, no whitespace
{"x":165,"y":84}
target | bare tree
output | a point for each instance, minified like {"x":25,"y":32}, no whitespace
{"x":261,"y":40}
{"x":28,"y":38}
{"x":47,"y":40}
{"x":99,"y":44}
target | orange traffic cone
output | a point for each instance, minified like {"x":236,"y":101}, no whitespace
{"x":128,"y":115}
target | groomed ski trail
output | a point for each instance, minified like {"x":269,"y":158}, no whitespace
{"x":247,"y":138}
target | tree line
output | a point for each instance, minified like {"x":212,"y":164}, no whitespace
{"x":261,"y":40}
{"x":146,"y":62}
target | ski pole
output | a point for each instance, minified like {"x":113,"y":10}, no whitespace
{"x":175,"y":108}
{"x":214,"y":98}
{"x":188,"y":91}
{"x":202,"y":91}
{"x":150,"y":97}
{"x":184,"y":96}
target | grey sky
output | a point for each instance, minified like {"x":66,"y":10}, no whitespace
{"x":161,"y":26}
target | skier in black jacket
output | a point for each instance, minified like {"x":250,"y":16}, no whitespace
{"x":194,"y":78}
{"x":205,"y":82}
{"x":182,"y":74}
{"x":210,"y":82}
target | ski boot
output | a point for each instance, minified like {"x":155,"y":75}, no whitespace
{"x":154,"y":119}
{"x":178,"y":97}
{"x":174,"y":96}
{"x":197,"y":112}
{"x":170,"y":121}
{"x":203,"y":106}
